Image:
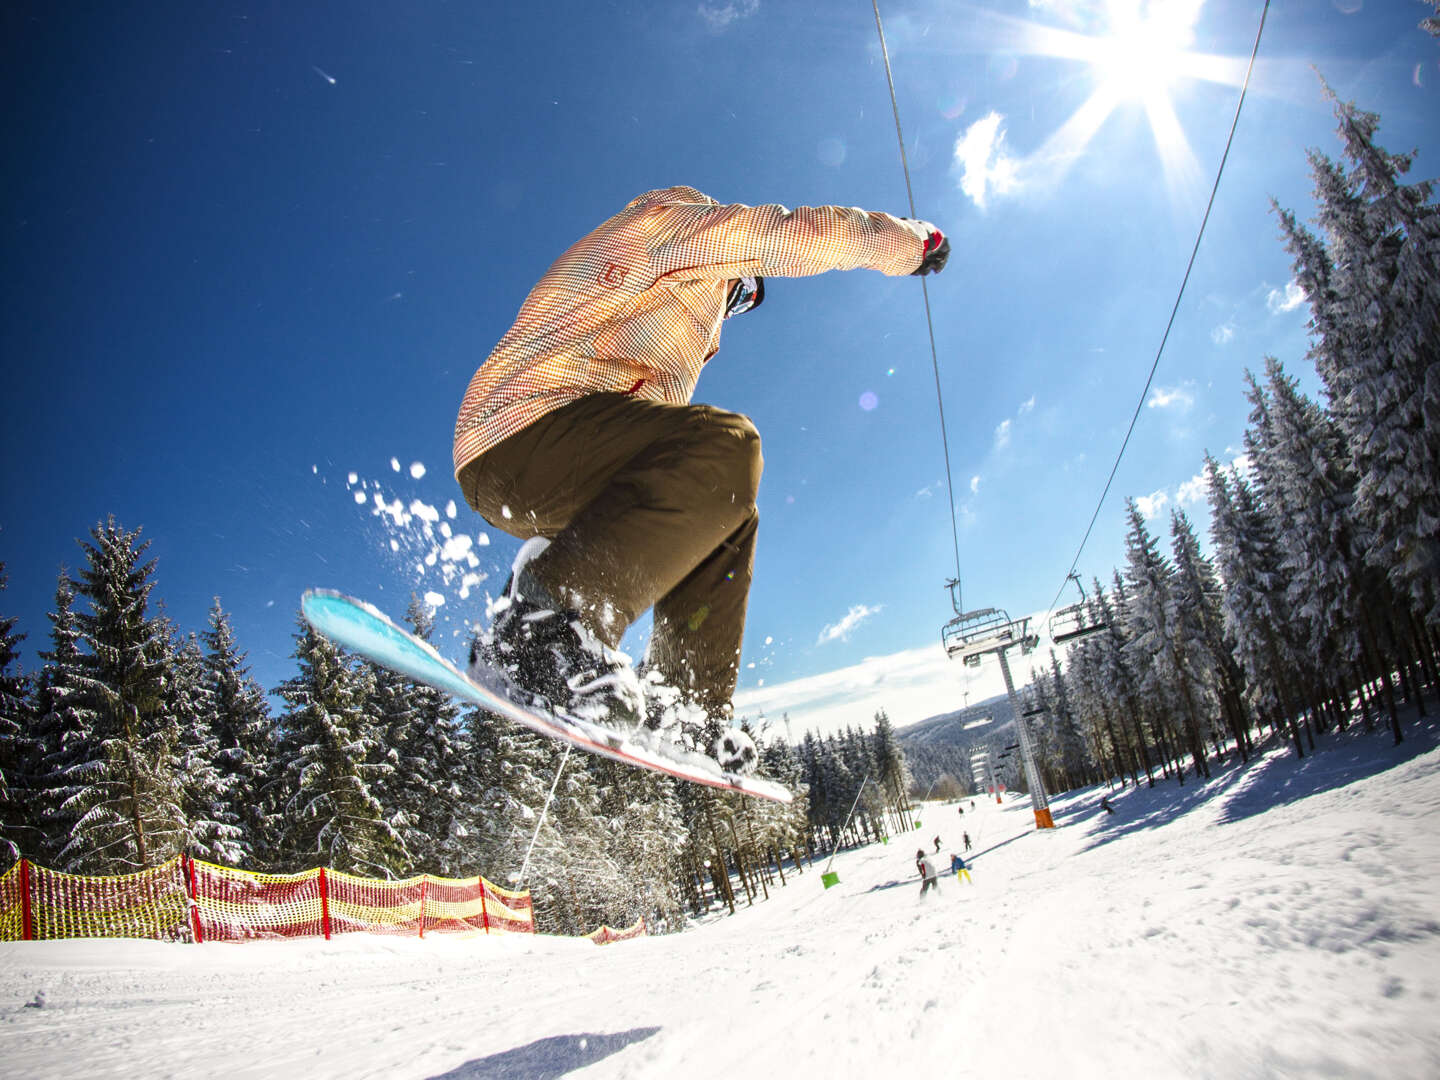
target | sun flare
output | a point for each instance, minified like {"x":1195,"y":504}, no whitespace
{"x":1139,"y":60}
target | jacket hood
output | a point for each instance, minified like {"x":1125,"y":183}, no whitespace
{"x":678,"y":194}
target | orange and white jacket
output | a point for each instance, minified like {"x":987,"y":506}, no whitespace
{"x":635,"y":307}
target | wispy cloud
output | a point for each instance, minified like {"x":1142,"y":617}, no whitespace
{"x":1002,"y":434}
{"x":840,"y":631}
{"x":1223,"y":334}
{"x":1286,"y":299}
{"x":975,"y":485}
{"x":719,"y":16}
{"x":1179,"y":397}
{"x":981,"y":160}
{"x":1027,"y":406}
{"x":1151,"y":505}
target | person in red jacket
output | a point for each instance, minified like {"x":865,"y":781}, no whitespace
{"x":578,"y":435}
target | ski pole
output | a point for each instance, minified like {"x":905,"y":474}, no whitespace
{"x":545,"y":810}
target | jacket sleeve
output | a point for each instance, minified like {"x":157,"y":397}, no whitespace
{"x":697,"y":241}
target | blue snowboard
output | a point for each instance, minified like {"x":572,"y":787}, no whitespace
{"x":363,"y":629}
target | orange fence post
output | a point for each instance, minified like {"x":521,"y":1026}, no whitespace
{"x":424,"y":884}
{"x":484,"y":910}
{"x":324,"y":905}
{"x":27,"y":924}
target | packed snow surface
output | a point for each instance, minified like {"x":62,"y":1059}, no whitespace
{"x":1281,"y":920}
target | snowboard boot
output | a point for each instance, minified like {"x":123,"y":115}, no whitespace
{"x":670,"y":715}
{"x":547,"y":655}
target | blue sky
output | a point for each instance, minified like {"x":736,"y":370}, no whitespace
{"x":253,"y":249}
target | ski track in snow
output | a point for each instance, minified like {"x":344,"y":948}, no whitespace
{"x":1279,"y":921}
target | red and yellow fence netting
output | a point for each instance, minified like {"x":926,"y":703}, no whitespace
{"x":188,"y":899}
{"x":604,"y":936}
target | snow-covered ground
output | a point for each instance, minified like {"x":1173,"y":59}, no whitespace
{"x":1283,"y":920}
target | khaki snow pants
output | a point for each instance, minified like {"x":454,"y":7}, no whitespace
{"x":647,"y":504}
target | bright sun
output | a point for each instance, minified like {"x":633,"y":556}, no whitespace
{"x":1139,"y":59}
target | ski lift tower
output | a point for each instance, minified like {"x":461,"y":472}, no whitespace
{"x":973,"y":635}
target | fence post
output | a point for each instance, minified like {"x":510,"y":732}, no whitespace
{"x":27,"y":922}
{"x":324,"y":905}
{"x":484,"y":908}
{"x":188,"y":869}
{"x":424,"y":884}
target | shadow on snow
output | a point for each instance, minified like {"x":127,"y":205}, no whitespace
{"x":546,"y":1059}
{"x":1273,"y":777}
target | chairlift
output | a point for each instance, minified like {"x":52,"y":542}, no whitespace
{"x":972,"y":634}
{"x":1076,"y":620}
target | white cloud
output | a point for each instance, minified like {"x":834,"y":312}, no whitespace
{"x":1194,"y":490}
{"x":1002,"y":435}
{"x":910,"y":686}
{"x":1027,"y":406}
{"x":1151,"y":505}
{"x":980,"y":158}
{"x":1182,"y":397}
{"x":975,"y":485}
{"x":1223,"y":334}
{"x":1287,"y":299}
{"x":719,"y":16}
{"x":840,"y":631}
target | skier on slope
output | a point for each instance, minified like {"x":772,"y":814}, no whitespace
{"x":578,"y":429}
{"x":929,"y":876}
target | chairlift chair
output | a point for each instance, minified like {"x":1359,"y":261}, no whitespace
{"x":1075,"y":620}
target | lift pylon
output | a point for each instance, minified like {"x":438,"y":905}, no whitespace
{"x":974,"y":635}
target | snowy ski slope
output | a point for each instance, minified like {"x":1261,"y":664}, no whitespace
{"x":1280,"y":921}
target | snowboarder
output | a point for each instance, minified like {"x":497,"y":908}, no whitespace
{"x":967,"y":840}
{"x":578,"y":429}
{"x":1105,"y":804}
{"x":929,"y":877}
{"x":957,"y":864}
{"x":937,"y":845}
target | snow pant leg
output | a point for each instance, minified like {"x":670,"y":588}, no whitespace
{"x":646,"y":504}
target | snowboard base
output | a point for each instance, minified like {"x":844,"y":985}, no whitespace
{"x":364,"y":629}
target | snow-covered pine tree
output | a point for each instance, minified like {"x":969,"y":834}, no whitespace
{"x":244,"y":738}
{"x":212,"y":828}
{"x":1374,"y":290}
{"x":1198,"y":605}
{"x":1167,"y":681}
{"x":1257,"y":619}
{"x":60,"y":726}
{"x":429,"y":792}
{"x":891,"y":772}
{"x":127,"y":788}
{"x":19,"y":752}
{"x":1432,"y":22}
{"x":327,"y":751}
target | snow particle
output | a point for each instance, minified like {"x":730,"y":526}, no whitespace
{"x":417,"y":470}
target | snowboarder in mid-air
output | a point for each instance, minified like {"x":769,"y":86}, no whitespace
{"x":578,"y":430}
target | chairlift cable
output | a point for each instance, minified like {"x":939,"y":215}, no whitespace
{"x":1194,"y":251}
{"x":924,"y":292}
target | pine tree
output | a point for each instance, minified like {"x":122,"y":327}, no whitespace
{"x":212,"y":826}
{"x":1167,"y":681}
{"x":19,"y":824}
{"x":1257,"y":619}
{"x":61,"y":729}
{"x":428,"y":793}
{"x":126,"y":798}
{"x":244,"y":741}
{"x":1374,"y":289}
{"x":327,"y":751}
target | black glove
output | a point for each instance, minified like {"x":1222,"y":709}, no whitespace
{"x":937,"y":251}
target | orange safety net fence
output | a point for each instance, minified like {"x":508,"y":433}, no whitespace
{"x":605,"y":935}
{"x":192,"y":900}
